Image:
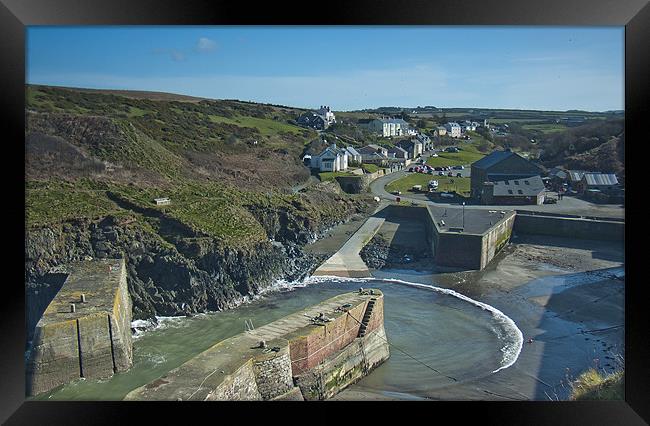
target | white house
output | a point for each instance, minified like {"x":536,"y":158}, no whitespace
{"x":332,"y":159}
{"x":469,"y":126}
{"x":453,"y":129}
{"x":326,"y":112}
{"x":440,"y":131}
{"x":387,"y":127}
{"x":353,"y":154}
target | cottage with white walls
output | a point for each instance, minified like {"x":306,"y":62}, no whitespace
{"x":331,"y":159}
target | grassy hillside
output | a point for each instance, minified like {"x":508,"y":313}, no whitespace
{"x":95,"y":153}
{"x":593,"y":385}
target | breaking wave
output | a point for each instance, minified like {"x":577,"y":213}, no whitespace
{"x":507,"y":332}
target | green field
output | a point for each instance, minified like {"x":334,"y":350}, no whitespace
{"x":545,"y":128}
{"x":468,"y":155}
{"x":460,"y":185}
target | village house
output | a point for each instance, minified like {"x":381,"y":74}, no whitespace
{"x":453,"y":129}
{"x":516,"y":191}
{"x":425,"y":141}
{"x":353,"y":155}
{"x":326,"y":112}
{"x":331,"y":159}
{"x":312,"y":120}
{"x":388,"y":127}
{"x":319,"y":120}
{"x":500,"y":166}
{"x":440,"y":131}
{"x":412,"y":146}
{"x":373,"y":154}
{"x":469,"y":126}
{"x":397,"y":152}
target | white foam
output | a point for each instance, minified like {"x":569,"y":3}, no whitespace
{"x":512,"y":337}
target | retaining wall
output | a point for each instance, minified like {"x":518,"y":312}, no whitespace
{"x":568,"y":226}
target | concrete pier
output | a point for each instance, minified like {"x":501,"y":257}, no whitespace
{"x":301,"y":358}
{"x":347,"y":262}
{"x":91,"y":340}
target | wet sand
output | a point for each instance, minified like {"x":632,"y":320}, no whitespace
{"x":566,"y":295}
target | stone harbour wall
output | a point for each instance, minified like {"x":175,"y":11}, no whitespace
{"x":94,"y":341}
{"x":300,"y":359}
{"x":273,"y":374}
{"x":239,"y":386}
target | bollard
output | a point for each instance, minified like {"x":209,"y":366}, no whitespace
{"x":73,"y":308}
{"x":83,"y":298}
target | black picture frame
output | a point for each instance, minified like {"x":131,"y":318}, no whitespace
{"x":15,"y":15}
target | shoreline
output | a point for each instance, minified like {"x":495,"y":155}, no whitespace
{"x":573,"y":325}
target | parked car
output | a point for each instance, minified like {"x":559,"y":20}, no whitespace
{"x":396,"y":193}
{"x":434,"y":155}
{"x":441,"y":174}
{"x":410,"y":169}
{"x":437,"y":168}
{"x":450,"y":174}
{"x":458,"y":168}
{"x":446,"y":195}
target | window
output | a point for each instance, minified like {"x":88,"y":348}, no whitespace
{"x":516,"y":182}
{"x":526,"y":182}
{"x":519,"y":191}
{"x":510,"y":191}
{"x":507,"y":182}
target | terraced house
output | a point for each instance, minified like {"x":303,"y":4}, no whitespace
{"x":388,"y":127}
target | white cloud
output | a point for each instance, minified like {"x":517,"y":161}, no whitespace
{"x":206,"y":45}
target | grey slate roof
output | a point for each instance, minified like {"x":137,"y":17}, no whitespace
{"x":397,"y":149}
{"x":352,"y":151}
{"x":600,"y":179}
{"x":492,"y":159}
{"x":529,"y":187}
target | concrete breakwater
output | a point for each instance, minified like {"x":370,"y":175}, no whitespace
{"x":302,"y":357}
{"x":85,"y":330}
{"x":346,"y":262}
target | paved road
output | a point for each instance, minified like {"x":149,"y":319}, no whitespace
{"x":568,"y":205}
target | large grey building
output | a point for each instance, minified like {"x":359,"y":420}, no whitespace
{"x":500,"y":166}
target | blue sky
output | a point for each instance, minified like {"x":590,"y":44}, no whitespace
{"x":549,"y":68}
